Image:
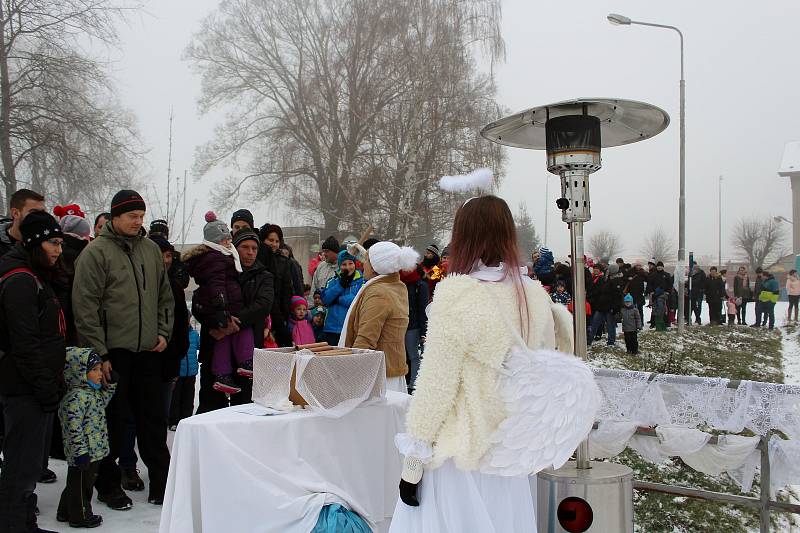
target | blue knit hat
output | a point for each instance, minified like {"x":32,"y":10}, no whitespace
{"x":628,"y":298}
{"x":344,"y":255}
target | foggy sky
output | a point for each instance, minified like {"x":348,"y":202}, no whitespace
{"x":741,"y":82}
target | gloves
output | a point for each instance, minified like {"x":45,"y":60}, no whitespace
{"x":357,"y":251}
{"x":408,"y":493}
{"x":345,"y":281}
{"x":409,"y":480}
{"x":82,"y":462}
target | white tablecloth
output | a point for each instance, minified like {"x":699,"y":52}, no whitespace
{"x":239,"y":473}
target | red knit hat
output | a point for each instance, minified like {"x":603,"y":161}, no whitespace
{"x":297,"y":301}
{"x":71,"y":209}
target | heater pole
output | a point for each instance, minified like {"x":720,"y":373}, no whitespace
{"x":579,"y":315}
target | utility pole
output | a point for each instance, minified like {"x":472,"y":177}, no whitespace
{"x":719,"y":222}
{"x":183,"y":214}
{"x":169,"y":166}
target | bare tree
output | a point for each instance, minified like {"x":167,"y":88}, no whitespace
{"x":57,"y":108}
{"x":759,"y":240}
{"x":604,"y":245}
{"x":527,"y":238}
{"x":349,"y":109}
{"x":660,"y":245}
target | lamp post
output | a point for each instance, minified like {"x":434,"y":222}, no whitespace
{"x":719,"y":226}
{"x":621,"y":20}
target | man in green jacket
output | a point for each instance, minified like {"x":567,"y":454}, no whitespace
{"x":123,"y":308}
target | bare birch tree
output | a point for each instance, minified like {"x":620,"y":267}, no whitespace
{"x":349,"y":110}
{"x":58,"y":112}
{"x":760,"y":241}
{"x":659,"y":245}
{"x":604,"y":245}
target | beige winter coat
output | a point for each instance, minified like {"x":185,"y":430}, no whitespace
{"x":456,"y":407}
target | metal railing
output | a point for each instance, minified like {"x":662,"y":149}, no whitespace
{"x":763,"y":503}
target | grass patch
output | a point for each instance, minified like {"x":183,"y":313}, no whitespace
{"x":735,"y":352}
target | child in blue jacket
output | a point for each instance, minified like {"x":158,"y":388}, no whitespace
{"x":339,"y":294}
{"x":183,"y":394}
{"x":85,"y":432}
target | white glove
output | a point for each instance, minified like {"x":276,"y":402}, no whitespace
{"x":412,"y":469}
{"x":357,"y":251}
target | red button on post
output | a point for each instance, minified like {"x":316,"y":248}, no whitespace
{"x":575,"y":514}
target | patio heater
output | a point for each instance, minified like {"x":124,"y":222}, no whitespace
{"x":583,"y":495}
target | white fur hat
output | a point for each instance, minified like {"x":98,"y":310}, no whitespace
{"x":388,"y":258}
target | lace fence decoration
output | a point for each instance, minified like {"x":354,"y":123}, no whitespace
{"x":684,"y":409}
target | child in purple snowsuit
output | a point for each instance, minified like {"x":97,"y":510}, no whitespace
{"x":215,"y":267}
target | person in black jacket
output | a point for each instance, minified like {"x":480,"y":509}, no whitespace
{"x":179,"y":340}
{"x":606,"y":302}
{"x":715,"y":292}
{"x":636,"y":284}
{"x":258,"y":293}
{"x":417,"y":320}
{"x":298,"y":285}
{"x":32,"y":334}
{"x":279,"y":266}
{"x":20,"y":204}
{"x":698,"y":287}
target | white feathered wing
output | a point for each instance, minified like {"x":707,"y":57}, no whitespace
{"x":552,"y":400}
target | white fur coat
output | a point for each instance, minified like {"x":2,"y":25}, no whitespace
{"x":456,"y":407}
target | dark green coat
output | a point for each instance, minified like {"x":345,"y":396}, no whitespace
{"x":121,"y":297}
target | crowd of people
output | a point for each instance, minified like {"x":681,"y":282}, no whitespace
{"x":615,"y":290}
{"x":100,"y":356}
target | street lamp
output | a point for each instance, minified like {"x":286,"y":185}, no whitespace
{"x":621,"y":20}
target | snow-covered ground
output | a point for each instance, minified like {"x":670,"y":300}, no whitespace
{"x":144,"y":518}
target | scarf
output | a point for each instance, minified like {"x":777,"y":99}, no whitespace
{"x":226,"y":251}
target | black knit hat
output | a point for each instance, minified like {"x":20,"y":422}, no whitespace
{"x":38,"y":227}
{"x":243,"y":215}
{"x":162,"y":243}
{"x":433,"y":249}
{"x":159,"y":227}
{"x":126,"y":200}
{"x":331,"y":244}
{"x":93,"y":360}
{"x":245,"y":234}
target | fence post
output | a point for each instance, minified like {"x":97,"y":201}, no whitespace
{"x":765,"y":489}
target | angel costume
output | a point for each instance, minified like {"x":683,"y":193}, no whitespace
{"x":490,"y":409}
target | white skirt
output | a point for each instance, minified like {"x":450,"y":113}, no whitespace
{"x":459,"y":501}
{"x":397,"y":384}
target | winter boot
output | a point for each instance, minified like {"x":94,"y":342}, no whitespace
{"x":226,"y":384}
{"x":246,"y":369}
{"x":115,"y":499}
{"x":48,"y":476}
{"x":89,"y":522}
{"x":130,"y":479}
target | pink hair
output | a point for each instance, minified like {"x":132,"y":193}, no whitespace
{"x":484,"y":230}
